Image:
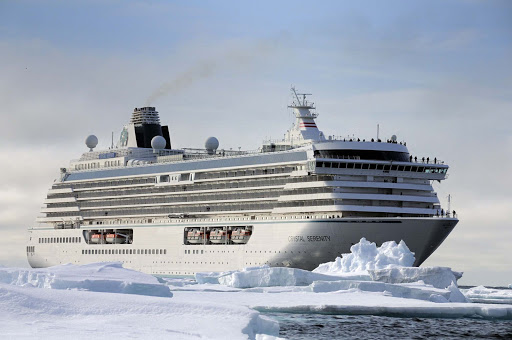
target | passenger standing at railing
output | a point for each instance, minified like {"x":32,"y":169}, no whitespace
{"x":423,"y":159}
{"x":428,"y":159}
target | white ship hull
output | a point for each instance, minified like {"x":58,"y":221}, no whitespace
{"x":291,"y":243}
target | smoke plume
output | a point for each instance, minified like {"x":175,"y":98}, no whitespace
{"x":205,"y":69}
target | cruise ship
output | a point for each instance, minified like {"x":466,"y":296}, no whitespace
{"x":297,"y":202}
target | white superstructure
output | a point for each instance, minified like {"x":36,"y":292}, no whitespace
{"x":296,"y":202}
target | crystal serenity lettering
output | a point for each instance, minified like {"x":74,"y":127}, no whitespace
{"x":313,"y":238}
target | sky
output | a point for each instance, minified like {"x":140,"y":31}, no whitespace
{"x":435,"y":73}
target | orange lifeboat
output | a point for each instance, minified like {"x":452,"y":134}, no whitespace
{"x":195,"y":236}
{"x":240,"y":235}
{"x":115,"y":238}
{"x":97,"y":238}
{"x":218,"y":235}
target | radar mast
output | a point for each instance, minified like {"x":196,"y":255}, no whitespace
{"x":304,"y":130}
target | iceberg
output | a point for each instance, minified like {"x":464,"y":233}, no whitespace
{"x":366,"y":256}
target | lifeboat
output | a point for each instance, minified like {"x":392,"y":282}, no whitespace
{"x":195,"y":236}
{"x":240,"y":235}
{"x":218,"y":235}
{"x":115,"y":238}
{"x":96,"y":238}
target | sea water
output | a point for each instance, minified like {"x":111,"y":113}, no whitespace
{"x":315,"y":326}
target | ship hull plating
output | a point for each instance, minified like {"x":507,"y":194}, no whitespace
{"x":161,"y":249}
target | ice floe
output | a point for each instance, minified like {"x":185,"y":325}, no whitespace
{"x":268,"y":277}
{"x":97,"y":277}
{"x":488,"y":295}
{"x":439,"y":277}
{"x":370,"y":280}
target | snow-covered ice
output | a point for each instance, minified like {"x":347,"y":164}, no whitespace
{"x":488,"y":295}
{"x":439,"y":277}
{"x":57,"y":314}
{"x":92,"y":300}
{"x":380,"y":277}
{"x":268,"y":277}
{"x":365,"y":256}
{"x":96,"y":277}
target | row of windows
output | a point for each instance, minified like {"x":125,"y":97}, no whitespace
{"x":364,"y":154}
{"x":31,"y":249}
{"x":96,"y":165}
{"x":124,"y":251}
{"x":59,"y":240}
{"x":131,"y":181}
{"x":225,"y":207}
{"x":193,"y":251}
{"x":245,"y":172}
{"x":171,"y":209}
{"x":183,"y":198}
{"x":357,"y":190}
{"x":190,"y":209}
{"x":384,"y":167}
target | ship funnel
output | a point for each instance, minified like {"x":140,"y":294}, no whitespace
{"x":144,"y":126}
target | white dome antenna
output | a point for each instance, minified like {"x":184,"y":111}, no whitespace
{"x":91,"y":141}
{"x":158,"y":143}
{"x":211,"y":145}
{"x":393,"y":138}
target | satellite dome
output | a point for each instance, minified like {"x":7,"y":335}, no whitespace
{"x":91,"y":142}
{"x":158,"y":143}
{"x":393,"y":138}
{"x":211,"y":145}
